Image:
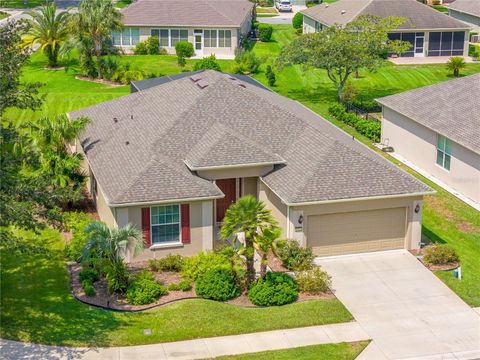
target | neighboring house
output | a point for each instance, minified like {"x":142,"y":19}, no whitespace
{"x":430,"y":32}
{"x":467,"y":11}
{"x":437,"y":130}
{"x":212,"y":26}
{"x":172,"y":158}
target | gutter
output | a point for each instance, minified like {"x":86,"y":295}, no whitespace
{"x":239,"y":166}
{"x":153,"y":203}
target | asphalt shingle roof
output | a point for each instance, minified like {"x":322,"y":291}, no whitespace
{"x":418,"y":15}
{"x":178,"y":123}
{"x":471,"y":7}
{"x":451,"y":108}
{"x":223,"y":13}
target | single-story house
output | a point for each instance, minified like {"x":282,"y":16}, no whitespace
{"x":430,"y":32}
{"x":437,"y":130}
{"x":212,"y":26}
{"x":467,"y":11}
{"x":171,"y":158}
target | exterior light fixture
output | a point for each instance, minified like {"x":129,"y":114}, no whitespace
{"x":300,"y":219}
{"x":417,"y":209}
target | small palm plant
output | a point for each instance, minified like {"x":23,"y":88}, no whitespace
{"x":112,"y":244}
{"x":251,"y":217}
{"x":265,"y":242}
{"x":455,"y":64}
{"x":48,"y":29}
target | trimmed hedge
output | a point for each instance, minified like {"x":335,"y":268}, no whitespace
{"x":217,"y":284}
{"x":145,"y":290}
{"x":371,"y":129}
{"x":273,"y":290}
{"x":265,"y":32}
{"x":297,"y":21}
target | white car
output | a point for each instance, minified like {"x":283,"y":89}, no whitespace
{"x":284,"y":5}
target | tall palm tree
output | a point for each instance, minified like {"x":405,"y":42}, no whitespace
{"x":251,"y":217}
{"x":48,"y":29}
{"x":112,"y":244}
{"x":93,"y":26}
{"x":455,"y":64}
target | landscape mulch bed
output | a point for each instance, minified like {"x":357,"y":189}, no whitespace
{"x":275,"y":264}
{"x":446,"y":267}
{"x":100,"y":81}
{"x":115,"y":302}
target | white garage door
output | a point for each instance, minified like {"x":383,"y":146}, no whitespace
{"x":356,"y":232}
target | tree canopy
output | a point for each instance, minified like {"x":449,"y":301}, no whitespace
{"x":341,"y":51}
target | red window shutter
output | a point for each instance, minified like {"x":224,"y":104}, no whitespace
{"x":185,"y":215}
{"x":147,"y":240}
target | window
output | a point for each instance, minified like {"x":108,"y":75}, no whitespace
{"x":444,"y":152}
{"x":224,"y":38}
{"x":128,"y":36}
{"x":165,"y":222}
{"x":446,"y":43}
{"x":177,"y":35}
{"x":318,"y":26}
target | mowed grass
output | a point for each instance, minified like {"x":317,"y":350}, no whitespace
{"x":340,"y":351}
{"x":37,"y":306}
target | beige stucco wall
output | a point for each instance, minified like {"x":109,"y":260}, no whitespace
{"x":273,"y":202}
{"x":201,"y":230}
{"x":417,"y":144}
{"x":308,"y":25}
{"x":250,"y":186}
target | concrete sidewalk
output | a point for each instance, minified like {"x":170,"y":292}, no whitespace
{"x":194,"y":349}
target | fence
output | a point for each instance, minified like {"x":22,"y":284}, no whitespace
{"x":362,"y":113}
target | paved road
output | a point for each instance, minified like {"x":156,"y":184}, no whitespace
{"x":282,"y":18}
{"x":193,"y":349}
{"x":404,"y":308}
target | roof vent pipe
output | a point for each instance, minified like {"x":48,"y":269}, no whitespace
{"x":115,"y":120}
{"x":131,"y":117}
{"x":344,"y":11}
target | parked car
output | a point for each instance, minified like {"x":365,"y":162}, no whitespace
{"x":283,"y":5}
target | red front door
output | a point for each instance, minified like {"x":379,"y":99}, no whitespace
{"x":228,"y":187}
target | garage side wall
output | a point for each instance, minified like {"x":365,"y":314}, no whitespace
{"x":273,"y":202}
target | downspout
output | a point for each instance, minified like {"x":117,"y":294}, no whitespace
{"x":288,"y":222}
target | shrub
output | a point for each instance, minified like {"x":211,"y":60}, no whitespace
{"x":207,"y":63}
{"x":163,"y":51}
{"x":199,"y":264}
{"x":371,"y":129}
{"x":275,"y":289}
{"x":108,"y":66}
{"x":76,"y":222}
{"x":294,"y":256}
{"x":173,"y":287}
{"x":246,"y":62}
{"x":168,"y":263}
{"x":265,"y":32}
{"x":440,"y":255}
{"x":297,"y":21}
{"x":185,"y":285}
{"x":88,"y":274}
{"x":313,"y":281}
{"x":117,"y":278}
{"x":183,"y":49}
{"x":217,"y":284}
{"x":270,"y":76}
{"x":140,"y":48}
{"x":145,"y":289}
{"x":151,"y":46}
{"x":367,"y":105}
{"x":88,"y":67}
{"x":88,"y":288}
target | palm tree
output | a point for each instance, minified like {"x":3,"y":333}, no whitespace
{"x":112,"y":244}
{"x":455,"y":64}
{"x":93,"y":26}
{"x":48,"y":29}
{"x":251,"y":217}
{"x":263,"y":243}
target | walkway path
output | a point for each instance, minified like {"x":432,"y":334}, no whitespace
{"x":193,"y":349}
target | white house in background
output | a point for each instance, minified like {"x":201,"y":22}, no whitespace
{"x":212,"y":26}
{"x":467,"y":11}
{"x":436,"y":130}
{"x":429,"y":32}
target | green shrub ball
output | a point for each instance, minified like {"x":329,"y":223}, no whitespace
{"x":217,"y":284}
{"x":273,"y":290}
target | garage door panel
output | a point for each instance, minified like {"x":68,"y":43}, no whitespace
{"x":355,"y":232}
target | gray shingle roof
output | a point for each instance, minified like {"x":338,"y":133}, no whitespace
{"x":471,"y":7}
{"x":224,"y":13}
{"x":179,"y":121}
{"x":451,"y":108}
{"x":418,"y":15}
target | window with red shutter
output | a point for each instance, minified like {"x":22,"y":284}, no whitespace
{"x":185,"y":221}
{"x":147,"y":240}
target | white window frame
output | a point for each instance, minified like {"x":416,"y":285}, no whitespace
{"x":443,"y":152}
{"x":164,"y":244}
{"x":129,"y":36}
{"x":169,"y":35}
{"x":217,"y":37}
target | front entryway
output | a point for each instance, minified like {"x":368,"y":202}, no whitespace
{"x":404,"y":308}
{"x":229,"y":188}
{"x":357,"y":232}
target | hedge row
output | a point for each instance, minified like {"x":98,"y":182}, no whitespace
{"x":370,"y":129}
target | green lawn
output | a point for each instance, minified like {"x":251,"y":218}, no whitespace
{"x":36,"y":306}
{"x":3,"y":15}
{"x":341,"y":351}
{"x":440,"y":8}
{"x":123,"y":3}
{"x":21,"y":4}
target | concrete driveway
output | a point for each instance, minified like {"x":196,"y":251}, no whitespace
{"x":406,"y":310}
{"x":283,"y":17}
